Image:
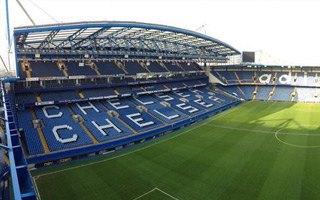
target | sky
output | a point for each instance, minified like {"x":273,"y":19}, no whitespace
{"x":285,"y":31}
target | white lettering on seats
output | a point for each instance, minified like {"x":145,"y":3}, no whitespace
{"x":55,"y":130}
{"x":49,"y":116}
{"x":102,"y":128}
{"x":165,"y":97}
{"x":265,"y":78}
{"x":166,"y":116}
{"x":90,"y":106}
{"x":181,"y":94}
{"x":138,"y":121}
{"x":285,"y":79}
{"x":189,"y":108}
{"x":144,"y":103}
{"x":216,"y":99}
{"x":202,"y":103}
{"x":116,"y":104}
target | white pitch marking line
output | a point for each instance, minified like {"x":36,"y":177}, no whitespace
{"x":145,"y":194}
{"x":167,"y":194}
{"x":154,"y":189}
{"x":260,"y":131}
{"x":37,"y":191}
{"x":143,"y":148}
{"x":293,"y":145}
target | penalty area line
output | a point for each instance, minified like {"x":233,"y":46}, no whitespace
{"x":144,"y":194}
{"x":156,"y":189}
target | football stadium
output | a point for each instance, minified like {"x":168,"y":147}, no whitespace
{"x":129,"y":110}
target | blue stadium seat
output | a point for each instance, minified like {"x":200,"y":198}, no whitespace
{"x":32,"y":138}
{"x":25,"y":98}
{"x":60,"y":130}
{"x":74,"y":69}
{"x":99,"y":92}
{"x":263,"y":92}
{"x":156,"y":67}
{"x":108,"y":68}
{"x":45,"y":69}
{"x":134,"y":67}
{"x":59,"y":96}
{"x":99,"y":123}
{"x":245,"y":76}
{"x":282,"y":93}
{"x":128,"y":112}
{"x":173,"y":67}
{"x":190,"y":66}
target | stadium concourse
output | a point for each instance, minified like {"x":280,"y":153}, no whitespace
{"x":85,"y":89}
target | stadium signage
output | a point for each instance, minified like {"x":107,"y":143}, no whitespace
{"x":283,"y":79}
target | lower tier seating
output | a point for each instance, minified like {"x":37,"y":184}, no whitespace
{"x":274,"y":93}
{"x":52,"y":128}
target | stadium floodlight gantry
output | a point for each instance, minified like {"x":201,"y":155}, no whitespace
{"x":90,"y":88}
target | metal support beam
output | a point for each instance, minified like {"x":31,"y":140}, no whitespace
{"x":90,"y":37}
{"x":48,"y":40}
{"x":4,"y":64}
{"x":8,"y":32}
{"x":70,"y":39}
{"x":13,"y":170}
{"x":25,"y":12}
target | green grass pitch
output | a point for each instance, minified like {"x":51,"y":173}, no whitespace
{"x":257,"y":150}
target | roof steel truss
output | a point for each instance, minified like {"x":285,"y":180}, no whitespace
{"x":122,"y":38}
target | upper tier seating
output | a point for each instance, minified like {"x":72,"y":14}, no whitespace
{"x":229,"y":76}
{"x":173,"y":67}
{"x":45,"y":69}
{"x":134,"y":67}
{"x":245,"y":77}
{"x":74,"y":69}
{"x":155,"y":67}
{"x":95,"y":68}
{"x":190,"y":66}
{"x":108,"y":68}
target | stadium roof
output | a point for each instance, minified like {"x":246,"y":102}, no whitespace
{"x":115,"y":37}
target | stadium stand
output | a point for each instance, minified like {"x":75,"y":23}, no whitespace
{"x":133,"y":67}
{"x":79,"y":68}
{"x":267,"y":85}
{"x":74,"y":100}
{"x":108,"y":68}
